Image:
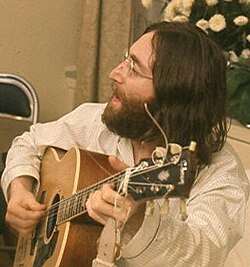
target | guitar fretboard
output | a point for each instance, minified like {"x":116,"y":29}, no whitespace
{"x":148,"y":182}
{"x":75,"y":205}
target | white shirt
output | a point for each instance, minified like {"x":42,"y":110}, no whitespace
{"x":216,"y":207}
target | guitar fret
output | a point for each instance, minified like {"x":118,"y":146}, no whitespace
{"x":78,"y":203}
{"x":82,"y":202}
{"x":66,"y":204}
{"x":75,"y":205}
{"x":71,"y":206}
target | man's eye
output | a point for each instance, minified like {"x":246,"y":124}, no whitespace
{"x":134,"y":71}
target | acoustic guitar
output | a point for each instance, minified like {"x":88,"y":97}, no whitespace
{"x":66,"y":236}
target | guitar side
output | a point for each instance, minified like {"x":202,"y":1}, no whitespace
{"x":71,"y":243}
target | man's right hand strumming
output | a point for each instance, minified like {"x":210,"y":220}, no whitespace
{"x":23,"y":212}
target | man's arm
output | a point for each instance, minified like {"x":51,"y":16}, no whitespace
{"x":216,"y":222}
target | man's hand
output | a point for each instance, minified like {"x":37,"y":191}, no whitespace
{"x":23,"y":211}
{"x":106,"y":202}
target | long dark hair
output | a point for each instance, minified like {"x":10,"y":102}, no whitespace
{"x":189,"y":76}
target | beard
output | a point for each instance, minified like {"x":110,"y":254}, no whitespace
{"x":131,"y":119}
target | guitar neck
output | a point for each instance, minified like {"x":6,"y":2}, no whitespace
{"x":145,"y":181}
{"x":75,"y":205}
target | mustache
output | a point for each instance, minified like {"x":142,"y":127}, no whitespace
{"x":117,"y":92}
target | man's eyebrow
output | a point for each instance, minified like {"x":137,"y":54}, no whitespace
{"x":138,"y":62}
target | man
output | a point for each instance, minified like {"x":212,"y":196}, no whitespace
{"x":178,"y":73}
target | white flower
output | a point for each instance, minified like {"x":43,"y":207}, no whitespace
{"x":240,"y":20}
{"x":245,"y":53}
{"x":248,"y":38}
{"x":146,"y":3}
{"x":233,"y":57}
{"x":178,"y":4}
{"x":203,"y":24}
{"x":184,"y":7}
{"x":188,"y":3}
{"x":169,"y":12}
{"x":244,"y":2}
{"x":186,"y":12}
{"x":178,"y":8}
{"x":217,"y":23}
{"x":212,"y":2}
{"x":180,"y":18}
{"x":214,"y":16}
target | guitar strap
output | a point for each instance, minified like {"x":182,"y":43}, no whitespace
{"x":108,"y":245}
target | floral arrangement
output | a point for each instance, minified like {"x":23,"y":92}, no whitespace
{"x":227,"y":22}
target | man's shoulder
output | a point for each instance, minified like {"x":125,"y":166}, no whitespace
{"x":94,"y":107}
{"x":87,"y":111}
{"x":226,"y":165}
{"x":226,"y":156}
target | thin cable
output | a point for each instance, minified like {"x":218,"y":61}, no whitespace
{"x":157,"y":124}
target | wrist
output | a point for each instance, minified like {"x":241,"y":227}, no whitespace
{"x":20,"y":183}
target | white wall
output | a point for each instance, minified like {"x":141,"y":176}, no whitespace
{"x":239,"y":138}
{"x":39,"y":40}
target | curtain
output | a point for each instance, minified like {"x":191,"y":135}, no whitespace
{"x":106,"y":31}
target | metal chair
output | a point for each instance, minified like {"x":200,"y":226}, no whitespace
{"x":18,"y":101}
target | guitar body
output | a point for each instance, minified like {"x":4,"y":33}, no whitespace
{"x":72,"y":242}
{"x":66,"y":236}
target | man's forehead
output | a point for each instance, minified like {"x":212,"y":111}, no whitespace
{"x":144,"y":42}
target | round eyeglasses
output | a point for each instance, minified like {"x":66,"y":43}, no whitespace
{"x":131,"y":66}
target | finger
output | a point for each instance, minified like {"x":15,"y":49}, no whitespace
{"x":117,"y":164}
{"x":100,"y":205}
{"x":23,"y":227}
{"x":24,"y":214}
{"x":108,"y":194}
{"x":30,"y":203}
{"x":22,"y":224}
{"x":93,"y":209}
{"x":22,"y":210}
{"x":114,"y":198}
{"x":112,"y":204}
{"x":26,"y":208}
{"x":36,"y":206}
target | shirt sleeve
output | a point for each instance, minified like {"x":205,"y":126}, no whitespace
{"x":74,"y":129}
{"x":216,"y":210}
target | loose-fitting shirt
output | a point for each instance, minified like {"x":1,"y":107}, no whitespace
{"x":216,"y":206}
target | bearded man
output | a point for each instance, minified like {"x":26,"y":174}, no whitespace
{"x":170,"y":87}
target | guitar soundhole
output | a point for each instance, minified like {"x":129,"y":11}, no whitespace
{"x":52,"y":216}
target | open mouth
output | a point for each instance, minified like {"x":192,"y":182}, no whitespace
{"x":116,"y":95}
{"x":115,"y":98}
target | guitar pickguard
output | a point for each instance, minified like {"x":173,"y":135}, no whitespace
{"x":45,"y":251}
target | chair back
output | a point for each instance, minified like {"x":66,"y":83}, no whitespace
{"x":18,"y":99}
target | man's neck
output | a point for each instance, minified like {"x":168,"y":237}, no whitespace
{"x":142,"y":149}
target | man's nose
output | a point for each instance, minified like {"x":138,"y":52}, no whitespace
{"x":120,"y":72}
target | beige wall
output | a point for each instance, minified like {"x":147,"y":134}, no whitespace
{"x":39,"y":41}
{"x":239,"y":138}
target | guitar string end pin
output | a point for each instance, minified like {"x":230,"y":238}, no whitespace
{"x":183,"y":209}
{"x":165,"y":207}
{"x":149,"y":208}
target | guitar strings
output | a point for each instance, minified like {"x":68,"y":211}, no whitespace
{"x":86,"y":191}
{"x":55,"y":210}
